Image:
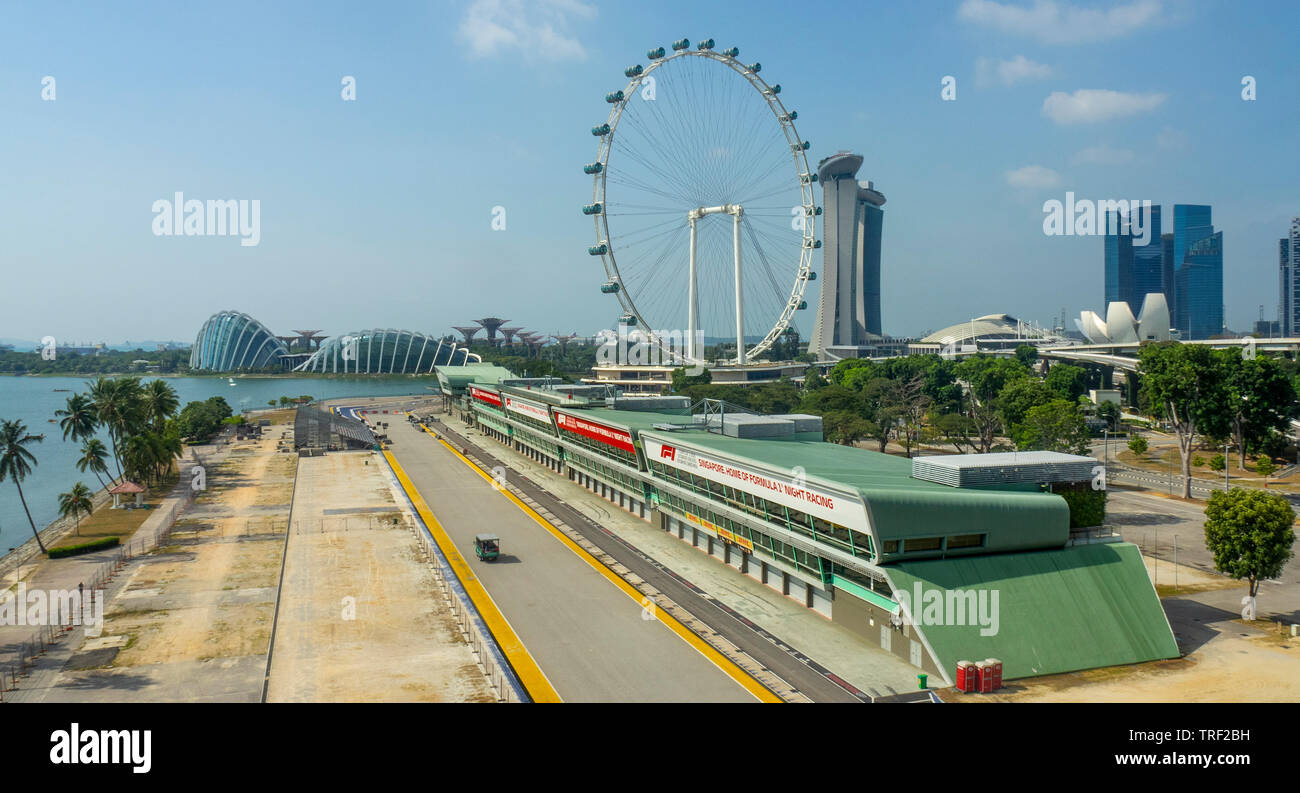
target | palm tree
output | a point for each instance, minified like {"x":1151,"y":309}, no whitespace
{"x":158,"y":401}
{"x":94,"y":456}
{"x":138,"y":457}
{"x":16,"y":462}
{"x":117,"y":408}
{"x":169,"y":446}
{"x":76,"y":502}
{"x":78,"y":420}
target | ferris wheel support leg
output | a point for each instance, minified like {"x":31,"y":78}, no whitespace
{"x":740,"y":300}
{"x":693,"y":302}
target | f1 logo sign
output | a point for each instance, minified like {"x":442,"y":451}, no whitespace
{"x":667,"y":452}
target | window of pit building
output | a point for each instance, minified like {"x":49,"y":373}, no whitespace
{"x":922,"y":544}
{"x":966,"y":541}
{"x":890,"y":546}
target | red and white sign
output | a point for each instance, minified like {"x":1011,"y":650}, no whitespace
{"x":485,"y":396}
{"x":530,"y":409}
{"x":619,"y":439}
{"x":788,"y":491}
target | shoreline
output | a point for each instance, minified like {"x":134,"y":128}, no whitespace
{"x":51,"y":534}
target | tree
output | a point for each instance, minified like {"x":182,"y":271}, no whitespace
{"x":1027,"y":354}
{"x":78,"y":420}
{"x":1138,"y":445}
{"x":118,"y":409}
{"x":830,"y":399}
{"x":158,"y":402}
{"x":844,"y":427}
{"x":1018,"y":396}
{"x":778,"y":397}
{"x":1057,"y":426}
{"x":847,"y":365}
{"x":1110,"y":412}
{"x":912,"y":405}
{"x":681,"y":380}
{"x":76,"y":502}
{"x":1069,"y":382}
{"x":882,"y":407}
{"x":16,"y":462}
{"x":985,"y":377}
{"x":1264,"y":466}
{"x":1261,"y":399}
{"x":956,"y":429}
{"x":1250,"y":533}
{"x":1184,"y":383}
{"x":1217,"y":463}
{"x":94,"y":458}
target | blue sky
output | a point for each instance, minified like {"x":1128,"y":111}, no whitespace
{"x":378,"y":211}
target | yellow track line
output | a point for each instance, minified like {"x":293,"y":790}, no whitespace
{"x":526,"y":669}
{"x":729,"y":668}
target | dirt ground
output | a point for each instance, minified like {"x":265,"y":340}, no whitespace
{"x":193,"y":619}
{"x":360,"y":617}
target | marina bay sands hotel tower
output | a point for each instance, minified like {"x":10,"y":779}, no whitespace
{"x":848,"y":316}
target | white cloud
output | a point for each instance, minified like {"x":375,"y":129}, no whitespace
{"x":1033,"y":176}
{"x":1103,"y":155}
{"x":1061,"y":23}
{"x":1091,"y":105}
{"x":989,"y":71}
{"x":536,"y":28}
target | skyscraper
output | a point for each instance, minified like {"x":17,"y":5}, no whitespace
{"x":1200,"y":289}
{"x":1134,"y":270}
{"x":848,"y":315}
{"x":1198,"y":273}
{"x":1288,"y":252}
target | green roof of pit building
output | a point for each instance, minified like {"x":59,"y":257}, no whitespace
{"x":899,"y":506}
{"x":1080,"y":607}
{"x":455,"y":379}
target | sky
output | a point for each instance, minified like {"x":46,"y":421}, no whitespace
{"x":378,"y":212}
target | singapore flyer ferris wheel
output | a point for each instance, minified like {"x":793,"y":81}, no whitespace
{"x":703,"y":203}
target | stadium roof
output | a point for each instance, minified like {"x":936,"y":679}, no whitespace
{"x":991,"y":326}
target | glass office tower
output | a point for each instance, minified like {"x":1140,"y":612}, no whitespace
{"x":1198,"y":302}
{"x":1200,"y":289}
{"x":1134,"y":271}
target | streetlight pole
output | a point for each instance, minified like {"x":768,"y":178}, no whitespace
{"x":1175,"y":562}
{"x":1226,"y":466}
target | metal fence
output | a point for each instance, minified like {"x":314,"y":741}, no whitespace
{"x":145,"y":540}
{"x":471,"y":629}
{"x":339,"y":524}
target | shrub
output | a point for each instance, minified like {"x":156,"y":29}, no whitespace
{"x":1087,"y":506}
{"x":1198,"y":460}
{"x":1264,"y":465}
{"x":1138,"y":445}
{"x":1218,"y":463}
{"x":85,"y":547}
